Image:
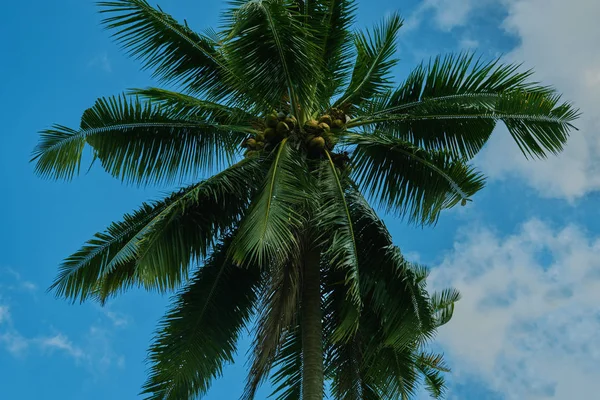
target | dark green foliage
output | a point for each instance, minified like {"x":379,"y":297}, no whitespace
{"x":312,"y":106}
{"x":199,"y":334}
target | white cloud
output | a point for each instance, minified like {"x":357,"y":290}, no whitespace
{"x":13,"y":342}
{"x":528,"y":322}
{"x":4,"y":313}
{"x":447,"y":14}
{"x":101,"y":61}
{"x":62,"y":343}
{"x":468,"y":43}
{"x":559,"y":40}
{"x":117,"y":319}
{"x":19,"y":282}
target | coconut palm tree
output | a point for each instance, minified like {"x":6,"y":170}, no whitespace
{"x":284,"y":234}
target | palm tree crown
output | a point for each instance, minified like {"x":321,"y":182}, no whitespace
{"x":286,"y":238}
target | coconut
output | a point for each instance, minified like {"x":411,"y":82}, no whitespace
{"x":270,"y":134}
{"x":324,"y":127}
{"x":325,"y":119}
{"x":250,"y":143}
{"x":290,"y":121}
{"x":259,"y":145}
{"x":312,"y":125}
{"x":272,"y":120}
{"x":317,"y":143}
{"x":281,"y":115}
{"x":337,"y":124}
{"x":260,"y":137}
{"x":282,"y":128}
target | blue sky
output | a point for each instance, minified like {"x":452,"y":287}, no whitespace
{"x":524,"y":253}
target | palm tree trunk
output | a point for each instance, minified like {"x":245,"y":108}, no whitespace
{"x":312,"y":343}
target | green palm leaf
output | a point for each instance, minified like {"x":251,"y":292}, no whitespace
{"x":278,"y":312}
{"x":198,"y":335}
{"x":175,"y":53}
{"x":272,"y":52}
{"x":139,"y":142}
{"x":408,"y":180}
{"x":267,"y":233}
{"x":371,"y":74}
{"x":330,"y":22}
{"x":342,"y":252}
{"x":155,"y":246}
{"x":443,"y":305}
{"x":287,"y":376}
{"x":453,"y":104}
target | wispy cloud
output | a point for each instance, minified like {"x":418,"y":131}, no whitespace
{"x":118,"y":319}
{"x":102,"y":62}
{"x":4,"y":313}
{"x":62,"y":343}
{"x":18,"y":282}
{"x":13,"y":342}
{"x":92,"y":349}
{"x":559,"y":40}
{"x":528,"y":322}
{"x":447,"y":14}
{"x":467,"y":43}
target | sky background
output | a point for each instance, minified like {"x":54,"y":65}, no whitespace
{"x":525,"y":253}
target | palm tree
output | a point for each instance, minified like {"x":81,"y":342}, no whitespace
{"x":286,"y":239}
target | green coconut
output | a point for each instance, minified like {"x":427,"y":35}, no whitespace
{"x":317,"y":143}
{"x":324,"y":127}
{"x":282,"y":128}
{"x":337,"y":124}
{"x":270,"y":134}
{"x":325,"y":119}
{"x":259,"y":137}
{"x":290,"y":121}
{"x":272,"y":120}
{"x":250,"y":143}
{"x":312,"y":125}
{"x":259,"y":145}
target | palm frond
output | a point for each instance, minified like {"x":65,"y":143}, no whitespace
{"x":453,"y":103}
{"x":330,"y":20}
{"x":278,"y":313}
{"x":287,"y":376}
{"x":393,"y":291}
{"x":139,"y":142}
{"x":371,"y":74}
{"x":443,"y":305}
{"x":347,"y":380}
{"x":393,"y":373}
{"x":175,"y":52}
{"x":267,"y":233}
{"x":185,"y":105}
{"x":342,"y":252}
{"x":272,"y":52}
{"x":154,"y":246}
{"x":198,"y":335}
{"x":410,"y":181}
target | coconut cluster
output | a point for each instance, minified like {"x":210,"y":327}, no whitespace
{"x":317,"y":134}
{"x":321,"y":133}
{"x":277,"y":126}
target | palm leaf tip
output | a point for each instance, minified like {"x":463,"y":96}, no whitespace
{"x":198,"y":335}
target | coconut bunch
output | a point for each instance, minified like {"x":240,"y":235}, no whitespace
{"x":277,"y":126}
{"x":320,"y":134}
